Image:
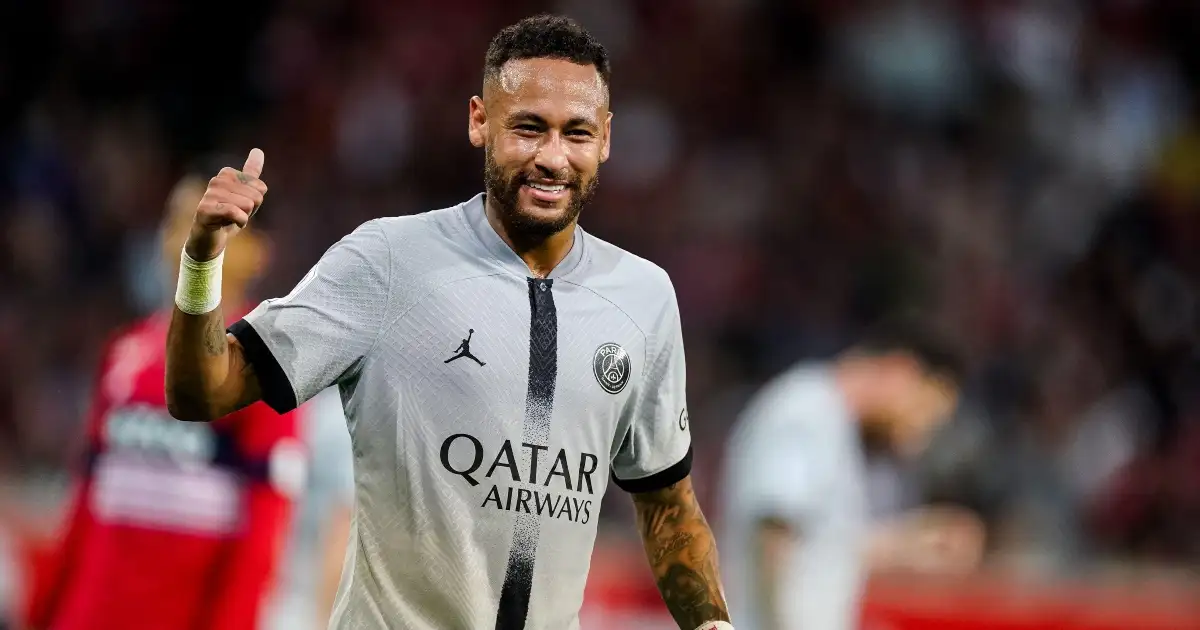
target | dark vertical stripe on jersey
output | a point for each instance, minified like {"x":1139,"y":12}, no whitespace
{"x":539,"y":405}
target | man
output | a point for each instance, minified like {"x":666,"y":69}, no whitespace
{"x":477,"y":482}
{"x":308,"y":582}
{"x":173,"y":525}
{"x":797,"y":538}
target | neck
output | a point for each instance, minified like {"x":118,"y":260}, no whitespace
{"x":541,"y":253}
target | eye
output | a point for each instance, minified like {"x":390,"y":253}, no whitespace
{"x":580,"y":133}
{"x":527,"y":128}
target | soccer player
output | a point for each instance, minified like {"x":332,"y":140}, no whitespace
{"x":498,"y":367}
{"x":173,"y":525}
{"x":797,"y":538}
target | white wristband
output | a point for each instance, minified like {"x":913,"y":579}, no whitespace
{"x":715,"y":625}
{"x":199,"y":288}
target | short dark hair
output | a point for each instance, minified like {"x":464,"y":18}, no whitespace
{"x":546,"y":37}
{"x":939,"y":353}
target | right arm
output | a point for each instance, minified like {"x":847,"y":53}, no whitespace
{"x":208,"y":375}
{"x":287,"y":349}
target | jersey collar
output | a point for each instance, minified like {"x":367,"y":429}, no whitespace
{"x":476,"y":217}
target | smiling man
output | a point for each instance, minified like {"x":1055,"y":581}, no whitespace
{"x":478,"y":481}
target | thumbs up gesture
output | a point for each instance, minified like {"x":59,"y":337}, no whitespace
{"x":232,"y":197}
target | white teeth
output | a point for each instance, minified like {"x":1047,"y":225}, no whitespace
{"x":546,"y":188}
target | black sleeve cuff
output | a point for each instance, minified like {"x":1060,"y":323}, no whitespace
{"x":277,"y":390}
{"x":658,"y":480}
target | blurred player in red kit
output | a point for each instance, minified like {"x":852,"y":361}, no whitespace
{"x":173,"y":525}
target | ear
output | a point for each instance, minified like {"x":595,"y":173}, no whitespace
{"x":606,"y":141}
{"x":477,"y":122}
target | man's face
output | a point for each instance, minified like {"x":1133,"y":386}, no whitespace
{"x":544,"y":125}
{"x":922,"y":405}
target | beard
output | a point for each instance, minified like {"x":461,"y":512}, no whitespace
{"x":504,"y":191}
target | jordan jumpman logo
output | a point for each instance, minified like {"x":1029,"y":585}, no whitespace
{"x":464,"y":350}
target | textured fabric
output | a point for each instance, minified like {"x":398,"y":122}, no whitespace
{"x":484,"y":430}
{"x":795,"y":456}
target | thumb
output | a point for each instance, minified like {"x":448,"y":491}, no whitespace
{"x":254,"y":163}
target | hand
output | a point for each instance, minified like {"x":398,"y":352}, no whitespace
{"x":944,"y":539}
{"x":232,"y":197}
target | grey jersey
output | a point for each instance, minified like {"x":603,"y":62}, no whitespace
{"x":487,"y":411}
{"x":796,"y":455}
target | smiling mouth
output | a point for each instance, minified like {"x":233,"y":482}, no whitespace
{"x":546,"y":193}
{"x":550,"y":188}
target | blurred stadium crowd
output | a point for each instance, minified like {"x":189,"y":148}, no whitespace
{"x":1028,"y":173}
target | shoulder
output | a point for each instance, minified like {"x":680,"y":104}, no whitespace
{"x":140,"y":341}
{"x":789,"y":423}
{"x":424,"y":248}
{"x":801,"y":397}
{"x":442,"y":222}
{"x":639,"y":287}
{"x":125,"y":357}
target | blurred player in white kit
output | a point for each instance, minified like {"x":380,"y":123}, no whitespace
{"x":798,"y":538}
{"x":308,"y":581}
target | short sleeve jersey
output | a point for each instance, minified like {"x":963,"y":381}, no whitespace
{"x":488,"y":411}
{"x":795,"y":456}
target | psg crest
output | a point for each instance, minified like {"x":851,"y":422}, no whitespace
{"x":611,"y":366}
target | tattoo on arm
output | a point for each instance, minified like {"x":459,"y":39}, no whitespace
{"x":682,"y":553}
{"x":246,"y":179}
{"x":214,"y":336}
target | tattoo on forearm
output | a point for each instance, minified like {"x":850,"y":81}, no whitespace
{"x":662,"y":516}
{"x":214,"y":337}
{"x":682,"y":553}
{"x":674,"y":544}
{"x":689,"y":597}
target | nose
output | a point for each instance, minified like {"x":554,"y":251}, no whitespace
{"x":552,"y":155}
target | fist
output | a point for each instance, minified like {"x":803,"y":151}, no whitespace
{"x":232,"y":197}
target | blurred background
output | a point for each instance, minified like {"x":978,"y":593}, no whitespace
{"x":1026,"y":172}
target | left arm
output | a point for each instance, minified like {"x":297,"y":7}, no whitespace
{"x":654,"y":465}
{"x":682,"y":554}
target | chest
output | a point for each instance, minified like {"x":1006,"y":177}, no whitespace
{"x":513,"y":359}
